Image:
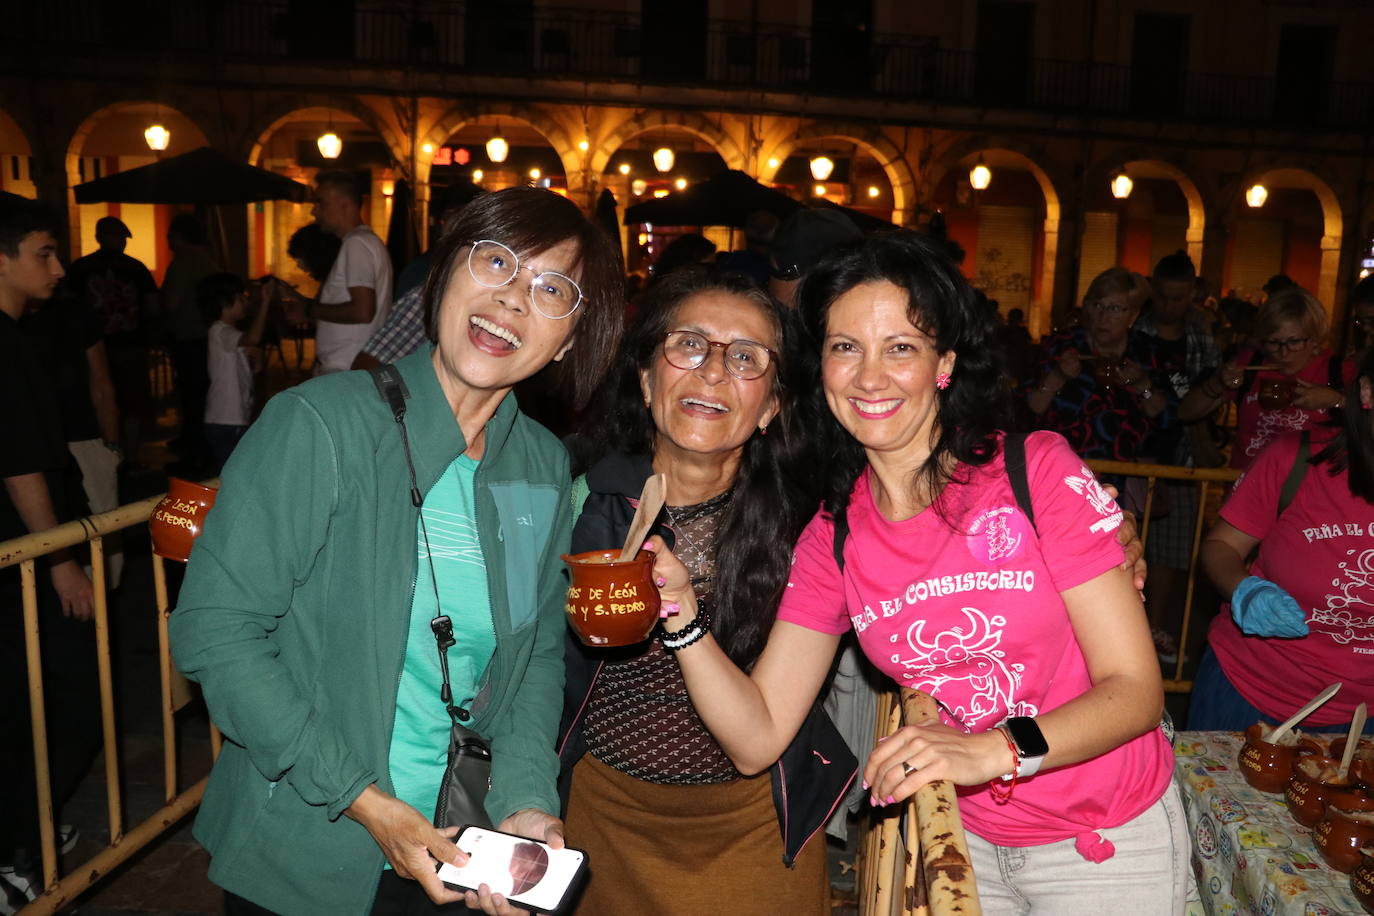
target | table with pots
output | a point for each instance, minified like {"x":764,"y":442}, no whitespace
{"x":1273,"y":829}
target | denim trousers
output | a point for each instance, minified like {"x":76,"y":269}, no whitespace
{"x":1149,"y":873}
{"x":1217,"y":705}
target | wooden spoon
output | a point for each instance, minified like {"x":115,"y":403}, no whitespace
{"x":1352,"y":739}
{"x":1312,"y":704}
{"x":650,"y":502}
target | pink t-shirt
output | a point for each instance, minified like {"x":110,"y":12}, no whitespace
{"x":972,"y":614}
{"x":1321,"y":551}
{"x":1256,"y":427}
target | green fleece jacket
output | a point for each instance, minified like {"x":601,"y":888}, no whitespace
{"x":293,"y":618}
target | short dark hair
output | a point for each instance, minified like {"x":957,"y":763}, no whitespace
{"x":1173,"y":268}
{"x":970,"y":412}
{"x":529,"y":221}
{"x":216,"y":292}
{"x":189,"y":228}
{"x":20,"y":218}
{"x":315,"y":249}
{"x":345,"y":183}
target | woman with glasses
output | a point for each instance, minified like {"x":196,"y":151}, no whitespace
{"x":1302,"y":615}
{"x":1023,"y":627}
{"x":1098,"y":382}
{"x":1290,"y":380}
{"x":355,"y":521}
{"x":669,"y":823}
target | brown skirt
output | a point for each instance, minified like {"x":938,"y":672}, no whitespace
{"x":664,"y":850}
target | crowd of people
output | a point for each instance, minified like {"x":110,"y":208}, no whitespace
{"x":878,"y":460}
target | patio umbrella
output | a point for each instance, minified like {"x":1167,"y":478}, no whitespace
{"x":726,"y":199}
{"x":866,"y":222}
{"x":202,"y":176}
{"x":606,"y":218}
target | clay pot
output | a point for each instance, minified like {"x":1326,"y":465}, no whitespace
{"x":610,"y":603}
{"x":1339,"y":836}
{"x":1362,"y":880}
{"x":178,"y":520}
{"x":1308,"y":795}
{"x":1267,"y":766}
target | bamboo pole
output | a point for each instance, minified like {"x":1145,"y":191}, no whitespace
{"x":107,"y":708}
{"x":38,"y":718}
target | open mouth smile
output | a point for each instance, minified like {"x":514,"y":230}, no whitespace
{"x":489,"y":332}
{"x":876,"y":410}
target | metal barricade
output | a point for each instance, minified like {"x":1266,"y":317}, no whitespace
{"x":175,"y":694}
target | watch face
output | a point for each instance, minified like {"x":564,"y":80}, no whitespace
{"x":1026,"y":733}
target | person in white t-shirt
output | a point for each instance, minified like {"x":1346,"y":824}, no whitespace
{"x":233,"y":358}
{"x":356,"y":295}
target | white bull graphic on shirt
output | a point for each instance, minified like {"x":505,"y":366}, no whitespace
{"x":1350,"y":613}
{"x":965,"y":670}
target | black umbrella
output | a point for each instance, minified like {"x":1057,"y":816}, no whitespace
{"x":606,"y":218}
{"x":202,"y":176}
{"x":866,"y":222}
{"x":726,"y":199}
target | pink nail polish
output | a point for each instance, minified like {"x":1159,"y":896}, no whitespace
{"x":648,"y":545}
{"x":660,"y":581}
{"x":890,"y":800}
{"x":670,"y":607}
{"x":865,"y":783}
{"x":873,"y":800}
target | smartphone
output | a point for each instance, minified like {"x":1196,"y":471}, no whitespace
{"x":528,"y":873}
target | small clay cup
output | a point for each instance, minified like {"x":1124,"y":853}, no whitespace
{"x":1362,"y":880}
{"x":1267,"y":766}
{"x":1340,"y":837}
{"x":1276,"y":393}
{"x":178,"y":519}
{"x":610,"y":603}
{"x":1308,"y":796}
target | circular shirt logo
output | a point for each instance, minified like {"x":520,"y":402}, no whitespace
{"x":998,"y":535}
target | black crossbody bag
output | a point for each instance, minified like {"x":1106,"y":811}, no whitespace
{"x":467,"y":778}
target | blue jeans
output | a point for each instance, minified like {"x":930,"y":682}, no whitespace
{"x":1218,"y":706}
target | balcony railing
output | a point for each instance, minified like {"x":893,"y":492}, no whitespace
{"x":547,"y":42}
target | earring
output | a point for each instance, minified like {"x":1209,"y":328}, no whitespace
{"x":942,"y":381}
{"x":763,"y":430}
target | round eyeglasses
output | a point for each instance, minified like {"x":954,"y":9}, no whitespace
{"x":552,"y":294}
{"x":744,"y":359}
{"x":1275,"y":345}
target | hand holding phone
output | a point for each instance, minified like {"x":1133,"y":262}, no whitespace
{"x":527,"y":873}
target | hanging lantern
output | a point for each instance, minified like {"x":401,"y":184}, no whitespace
{"x":584,"y":144}
{"x":819,"y":190}
{"x":773,"y":163}
{"x":639,"y":186}
{"x":388,"y":187}
{"x":1122,"y":186}
{"x":680,"y":184}
{"x":330,"y":145}
{"x":821,"y":167}
{"x":476,"y":175}
{"x":873,"y":190}
{"x":664,"y":159}
{"x":1257,"y":195}
{"x":157,"y":137}
{"x":427,"y":149}
{"x":980,"y":176}
{"x":535,"y":174}
{"x":624,"y":168}
{"x":497,"y":148}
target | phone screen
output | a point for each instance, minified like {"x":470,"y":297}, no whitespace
{"x":523,"y":871}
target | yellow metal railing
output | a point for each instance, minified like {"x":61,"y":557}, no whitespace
{"x":1212,"y":484}
{"x":25,"y":552}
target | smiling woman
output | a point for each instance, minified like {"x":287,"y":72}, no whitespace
{"x":344,"y":531}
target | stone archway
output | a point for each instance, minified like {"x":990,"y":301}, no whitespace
{"x":1010,"y":154}
{"x":690,"y":121}
{"x":1275,"y":175}
{"x":879,"y":145}
{"x":14,"y":142}
{"x":283,"y":111}
{"x":1138,"y":163}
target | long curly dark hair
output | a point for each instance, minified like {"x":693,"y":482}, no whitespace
{"x":774,"y":495}
{"x":969,"y":413}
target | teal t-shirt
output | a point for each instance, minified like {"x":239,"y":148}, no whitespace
{"x":419,"y":739}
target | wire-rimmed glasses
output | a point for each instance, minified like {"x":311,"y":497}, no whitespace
{"x":552,"y":294}
{"x":744,"y":359}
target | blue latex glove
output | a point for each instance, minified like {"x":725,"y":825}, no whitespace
{"x":1261,"y":608}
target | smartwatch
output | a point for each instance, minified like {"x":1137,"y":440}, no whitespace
{"x":1029,"y":742}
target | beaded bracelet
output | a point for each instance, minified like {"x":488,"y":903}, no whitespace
{"x":1001,"y":789}
{"x":699,"y":627}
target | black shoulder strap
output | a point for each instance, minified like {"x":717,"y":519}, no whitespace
{"x":1014,"y":453}
{"x":392,"y":388}
{"x":1296,"y":474}
{"x":1333,"y":373}
{"x":841,"y":533}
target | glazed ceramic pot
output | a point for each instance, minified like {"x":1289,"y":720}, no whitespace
{"x":1267,"y":766}
{"x":1362,"y":880}
{"x":611,"y":603}
{"x":1362,"y":765}
{"x":1341,"y":834}
{"x":178,"y":520}
{"x":1308,"y":794}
